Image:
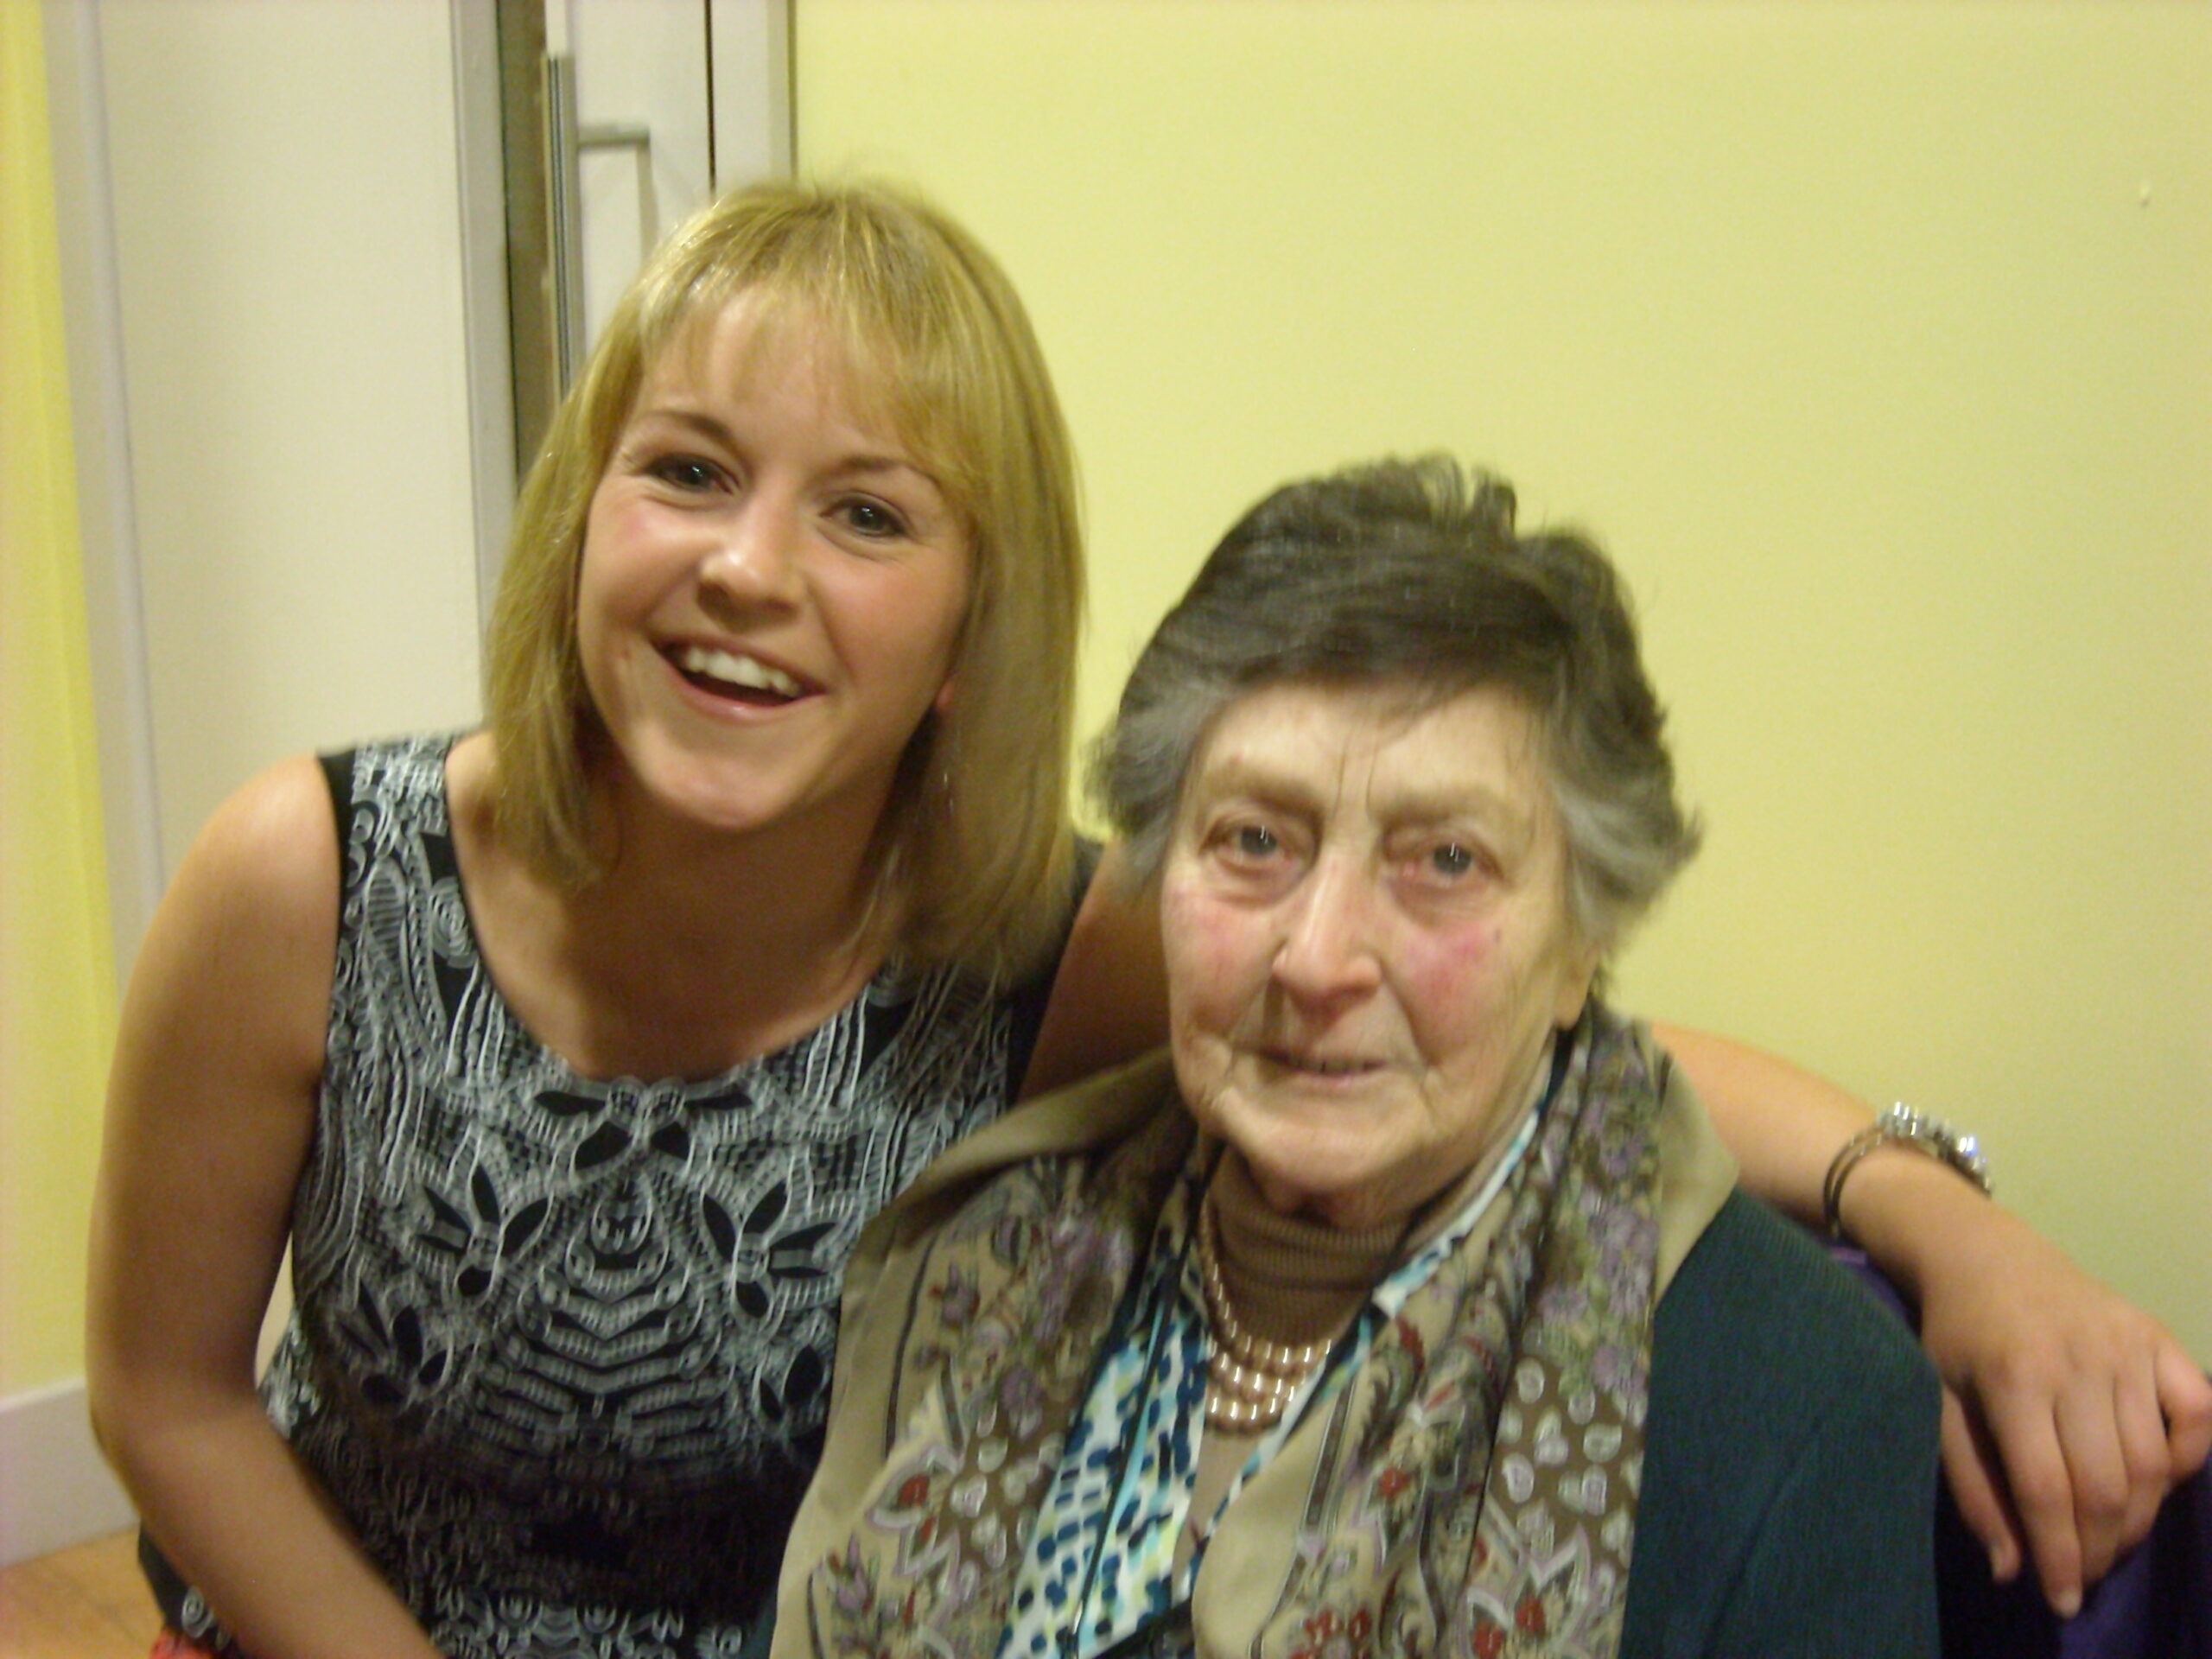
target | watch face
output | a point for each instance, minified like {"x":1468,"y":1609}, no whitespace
{"x":1961,"y":1152}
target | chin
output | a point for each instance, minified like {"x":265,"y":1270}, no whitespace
{"x":1319,"y":1177}
{"x":715,"y":812}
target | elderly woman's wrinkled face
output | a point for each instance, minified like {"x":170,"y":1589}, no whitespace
{"x":1365,"y":907}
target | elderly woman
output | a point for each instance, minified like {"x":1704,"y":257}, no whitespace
{"x":1412,"y":1308}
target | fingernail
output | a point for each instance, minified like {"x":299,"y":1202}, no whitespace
{"x":2003,"y":1564}
{"x":2068,"y":1603}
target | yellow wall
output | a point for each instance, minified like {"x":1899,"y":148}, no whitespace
{"x":1875,"y":340}
{"x":57,"y":1014}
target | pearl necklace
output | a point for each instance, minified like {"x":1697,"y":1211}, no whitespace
{"x":1252,"y":1379}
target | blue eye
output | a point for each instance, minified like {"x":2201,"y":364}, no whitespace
{"x":1256,"y":841}
{"x":1450,"y":859}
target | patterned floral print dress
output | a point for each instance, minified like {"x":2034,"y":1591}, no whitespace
{"x":562,"y":1348}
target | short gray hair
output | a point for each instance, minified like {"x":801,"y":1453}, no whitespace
{"x":1410,"y":573}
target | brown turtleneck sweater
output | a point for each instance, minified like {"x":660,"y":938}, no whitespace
{"x":1295,"y":1280}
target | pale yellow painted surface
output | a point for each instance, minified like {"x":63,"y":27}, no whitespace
{"x":1875,"y":340}
{"x":288,"y":253}
{"x":289,"y":310}
{"x":57,"y":1014}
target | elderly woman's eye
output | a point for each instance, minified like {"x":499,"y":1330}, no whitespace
{"x":1254,"y":840}
{"x":1450,"y":859}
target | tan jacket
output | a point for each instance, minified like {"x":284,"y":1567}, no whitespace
{"x":1248,"y":1559}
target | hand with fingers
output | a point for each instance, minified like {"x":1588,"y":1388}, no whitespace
{"x":2068,"y":1413}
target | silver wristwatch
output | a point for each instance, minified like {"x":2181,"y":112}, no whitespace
{"x":1901,"y":1125}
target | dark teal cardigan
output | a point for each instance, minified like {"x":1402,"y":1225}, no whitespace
{"x":1790,"y":1478}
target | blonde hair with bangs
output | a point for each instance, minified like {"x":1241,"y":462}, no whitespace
{"x":972,"y":855}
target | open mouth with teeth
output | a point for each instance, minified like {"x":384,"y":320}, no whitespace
{"x":736,"y":677}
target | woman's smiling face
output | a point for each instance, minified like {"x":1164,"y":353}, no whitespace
{"x":773,"y":586}
{"x":1365,"y":911}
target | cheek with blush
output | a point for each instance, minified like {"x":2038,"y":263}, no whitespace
{"x":1207,"y":948}
{"x":1206,"y":990}
{"x":1446,"y":969}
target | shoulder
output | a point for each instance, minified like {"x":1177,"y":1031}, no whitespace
{"x":1109,"y":995}
{"x":232,"y":981}
{"x":1790,"y":1458}
{"x":1121,"y":1133}
{"x":1072,"y":1129}
{"x":958,"y":1239}
{"x":1759,"y":1314}
{"x":268,"y":858}
{"x":1761,"y":1295}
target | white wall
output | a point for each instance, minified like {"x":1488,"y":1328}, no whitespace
{"x":288,"y":250}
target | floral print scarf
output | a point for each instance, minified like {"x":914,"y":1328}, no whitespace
{"x":1471,"y":1490}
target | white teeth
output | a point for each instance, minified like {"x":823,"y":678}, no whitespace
{"x":748,"y":672}
{"x":1325,"y":1068}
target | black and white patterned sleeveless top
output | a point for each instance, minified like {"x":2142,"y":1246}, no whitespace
{"x":561,"y":1348}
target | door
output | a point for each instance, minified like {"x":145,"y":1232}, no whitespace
{"x":619,"y":117}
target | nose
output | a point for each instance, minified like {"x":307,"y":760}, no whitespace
{"x":1327,"y":955}
{"x":754,"y":563}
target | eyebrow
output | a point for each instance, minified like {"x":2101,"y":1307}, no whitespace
{"x":694,"y":420}
{"x":1486,"y":807}
{"x":1415,"y":803}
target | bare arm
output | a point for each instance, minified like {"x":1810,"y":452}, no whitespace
{"x":2067,"y":1412}
{"x":1109,"y":1001}
{"x":210,"y":1108}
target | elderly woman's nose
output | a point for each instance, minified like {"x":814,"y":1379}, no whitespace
{"x":1328,"y":947}
{"x":754,"y":559}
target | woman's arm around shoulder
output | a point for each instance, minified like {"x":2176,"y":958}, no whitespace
{"x":2067,"y":1412}
{"x":1110,"y":998}
{"x":211,"y":1109}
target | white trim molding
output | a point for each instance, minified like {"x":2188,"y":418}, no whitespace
{"x":106,"y":513}
{"x":56,"y":1490}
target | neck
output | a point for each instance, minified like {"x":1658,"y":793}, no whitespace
{"x":1290,"y":1278}
{"x":779,"y":925}
{"x":720,"y":900}
{"x":694,"y":951}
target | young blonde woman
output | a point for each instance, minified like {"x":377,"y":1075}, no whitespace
{"x":569,"y":1055}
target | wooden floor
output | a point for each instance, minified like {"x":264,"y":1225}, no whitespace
{"x":85,"y":1602}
